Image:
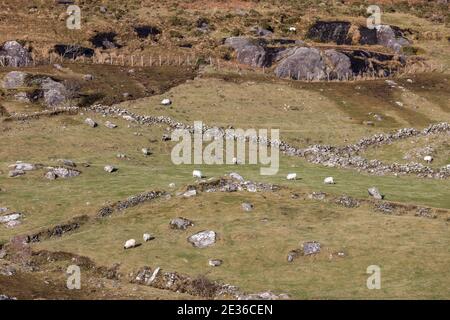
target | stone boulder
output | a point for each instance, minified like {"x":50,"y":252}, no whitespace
{"x":202,"y":239}
{"x":55,"y":93}
{"x":304,"y":63}
{"x":311,"y":247}
{"x":180,"y":223}
{"x":387,"y":37}
{"x":14,"y":80}
{"x":61,"y":172}
{"x":338,"y":65}
{"x":250,"y":51}
{"x":13,"y":54}
{"x":330,"y":31}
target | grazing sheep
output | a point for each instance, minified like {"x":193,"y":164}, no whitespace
{"x":166,"y":102}
{"x":328,"y":180}
{"x":197,"y":174}
{"x":147,"y":237}
{"x":129,"y":244}
{"x":235,"y":160}
{"x":292,"y":29}
{"x":292,"y":176}
{"x":428,"y":159}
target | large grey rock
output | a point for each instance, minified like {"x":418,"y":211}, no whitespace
{"x":250,"y":52}
{"x":55,"y":93}
{"x":13,"y":54}
{"x":181,"y":223}
{"x":304,"y":63}
{"x":61,"y":172}
{"x":247,"y":207}
{"x":310,"y":247}
{"x":202,"y":239}
{"x":338,"y":65}
{"x":10,"y":217}
{"x":23,"y":166}
{"x":386,"y":37}
{"x":14,"y":80}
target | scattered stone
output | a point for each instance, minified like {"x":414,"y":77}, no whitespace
{"x":23,"y":166}
{"x":311,"y":247}
{"x":110,"y":125}
{"x":317,"y":196}
{"x":50,"y":175}
{"x":90,"y":122}
{"x":247,"y":207}
{"x":181,"y":223}
{"x":68,"y":163}
{"x":110,"y":168}
{"x":347,"y":202}
{"x":375,"y":193}
{"x":16,"y":173}
{"x":61,"y":172}
{"x":384,"y":207}
{"x":215,"y":262}
{"x":400,"y":104}
{"x":263,"y":296}
{"x":368,"y":123}
{"x":202,"y":239}
{"x":10,"y":217}
{"x":190,"y":193}
{"x":425,"y":213}
{"x":13,"y":224}
{"x":236,"y":176}
{"x":292,"y":255}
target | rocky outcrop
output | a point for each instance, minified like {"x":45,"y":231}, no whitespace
{"x":300,"y":62}
{"x":344,"y":33}
{"x":338,"y":65}
{"x":14,"y":80}
{"x":304,"y":63}
{"x":250,"y":51}
{"x":388,"y":37}
{"x":330,"y":31}
{"x":13,"y":54}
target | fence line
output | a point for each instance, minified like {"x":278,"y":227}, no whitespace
{"x":192,"y":60}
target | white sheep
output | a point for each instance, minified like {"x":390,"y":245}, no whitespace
{"x":428,"y":159}
{"x":197,"y":174}
{"x":129,"y":244}
{"x":166,"y":102}
{"x":292,"y":29}
{"x":292,"y":176}
{"x":147,"y":237}
{"x":235,"y":160}
{"x":328,"y":180}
